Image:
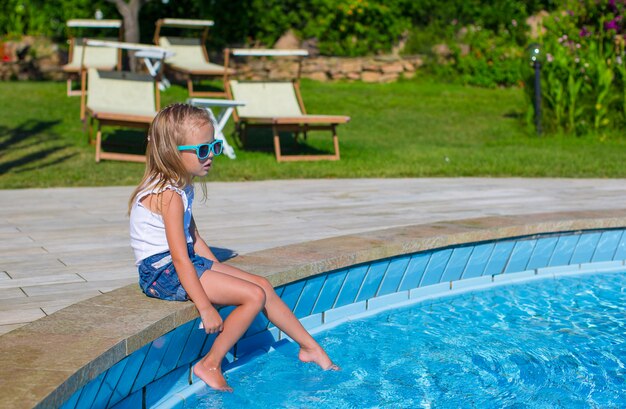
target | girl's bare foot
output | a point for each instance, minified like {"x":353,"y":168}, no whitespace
{"x":317,"y":355}
{"x":212,"y":376}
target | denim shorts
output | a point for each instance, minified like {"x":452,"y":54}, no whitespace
{"x":158,"y":278}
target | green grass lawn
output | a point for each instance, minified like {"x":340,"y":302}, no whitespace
{"x":405,"y":129}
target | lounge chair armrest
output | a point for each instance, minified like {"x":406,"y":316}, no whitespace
{"x":94,"y":23}
{"x":209,"y":103}
{"x":312,"y":119}
{"x":266,"y":52}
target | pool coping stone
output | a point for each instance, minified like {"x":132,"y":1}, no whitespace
{"x":46,"y":361}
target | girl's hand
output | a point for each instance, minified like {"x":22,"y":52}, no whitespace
{"x":211,"y":320}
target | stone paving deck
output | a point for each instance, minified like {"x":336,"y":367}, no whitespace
{"x":60,"y":246}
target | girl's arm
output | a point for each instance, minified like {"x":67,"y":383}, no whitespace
{"x":199,"y":245}
{"x":173,"y":218}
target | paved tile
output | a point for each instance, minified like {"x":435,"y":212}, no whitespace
{"x":75,"y":243}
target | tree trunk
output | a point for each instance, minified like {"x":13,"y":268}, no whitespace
{"x":130,"y":13}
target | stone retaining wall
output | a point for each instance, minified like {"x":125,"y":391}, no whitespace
{"x":366,"y":69}
{"x":34,"y":58}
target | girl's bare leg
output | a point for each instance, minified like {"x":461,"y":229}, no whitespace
{"x":282,"y":316}
{"x":249,"y":298}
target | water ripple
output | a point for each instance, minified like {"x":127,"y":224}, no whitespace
{"x":547,"y":344}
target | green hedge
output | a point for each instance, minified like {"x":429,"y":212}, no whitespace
{"x":341,"y":27}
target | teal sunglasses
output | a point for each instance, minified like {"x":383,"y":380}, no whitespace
{"x":203,"y":150}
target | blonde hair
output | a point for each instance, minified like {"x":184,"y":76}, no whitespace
{"x":164,"y":165}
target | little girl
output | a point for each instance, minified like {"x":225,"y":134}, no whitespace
{"x":173,"y":260}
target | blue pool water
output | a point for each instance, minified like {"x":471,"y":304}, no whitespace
{"x":550,"y":343}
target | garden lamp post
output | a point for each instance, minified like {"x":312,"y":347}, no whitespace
{"x":534,"y":59}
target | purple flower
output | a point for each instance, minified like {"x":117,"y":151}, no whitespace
{"x":584,"y":32}
{"x":611,"y":25}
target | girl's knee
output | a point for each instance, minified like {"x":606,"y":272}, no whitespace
{"x":265,"y":285}
{"x":257,"y":296}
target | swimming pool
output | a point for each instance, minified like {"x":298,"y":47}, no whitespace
{"x":157,"y":373}
{"x":554,"y":343}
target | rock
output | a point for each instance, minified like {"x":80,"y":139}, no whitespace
{"x":287,"y":41}
{"x":317,"y":76}
{"x":390,"y":77}
{"x":393,"y":68}
{"x":311,"y":45}
{"x":351,"y":65}
{"x":370,"y":76}
{"x":408,"y":66}
{"x":371,"y":66}
{"x":536,"y":24}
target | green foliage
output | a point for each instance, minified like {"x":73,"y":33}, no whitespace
{"x":341,"y":27}
{"x":480,"y":57}
{"x":583,"y":73}
{"x":485,"y":37}
{"x":47,"y":18}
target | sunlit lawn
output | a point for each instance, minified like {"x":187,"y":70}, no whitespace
{"x":405,"y":129}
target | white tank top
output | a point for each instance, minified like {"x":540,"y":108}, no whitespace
{"x":147,"y":231}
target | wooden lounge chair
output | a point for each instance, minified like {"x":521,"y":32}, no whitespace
{"x":278,"y":105}
{"x":101,"y":58}
{"x":118,"y":98}
{"x":190,"y":54}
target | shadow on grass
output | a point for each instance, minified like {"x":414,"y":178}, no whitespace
{"x":122,"y":140}
{"x":30,"y":143}
{"x":262,"y":140}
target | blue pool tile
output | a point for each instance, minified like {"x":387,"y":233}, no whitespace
{"x":600,"y":266}
{"x":262,"y":340}
{"x":330,"y":291}
{"x":310,"y":293}
{"x":542,"y":252}
{"x":520,"y":256}
{"x":414,"y":271}
{"x":148,"y":370}
{"x":351,"y":285}
{"x":312,"y":321}
{"x":89,"y":393}
{"x":167,"y":385}
{"x":344,"y":312}
{"x":436,"y":266}
{"x":292,"y":293}
{"x":620,"y":252}
{"x":499,"y":257}
{"x":478,"y":260}
{"x":434,"y":290}
{"x":515,"y":276}
{"x":387,"y":300}
{"x":135,"y":360}
{"x":564,"y":250}
{"x":174,"y":350}
{"x":193,"y":344}
{"x":393,"y":276}
{"x":551,"y":271}
{"x":372,"y":280}
{"x":605,"y":250}
{"x":458,"y":260}
{"x":585,"y":248}
{"x":468,"y":284}
{"x":175,"y":401}
{"x":111,"y":378}
{"x":130,"y":402}
{"x":71,"y":402}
